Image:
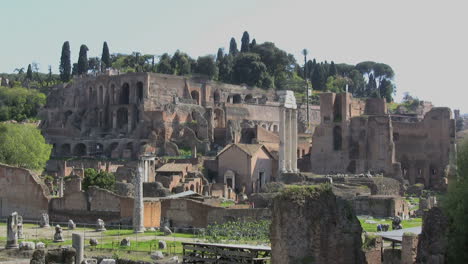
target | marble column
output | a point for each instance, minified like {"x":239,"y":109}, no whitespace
{"x":78,"y":245}
{"x":12,"y":231}
{"x":294,"y":140}
{"x":282,"y":130}
{"x":139,"y":207}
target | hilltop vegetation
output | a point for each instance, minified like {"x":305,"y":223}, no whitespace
{"x":255,"y":64}
{"x":19,"y":104}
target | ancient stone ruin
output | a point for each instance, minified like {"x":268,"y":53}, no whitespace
{"x":314,"y":226}
{"x":12,"y":231}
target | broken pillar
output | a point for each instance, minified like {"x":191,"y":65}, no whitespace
{"x":12,"y":231}
{"x":138,"y":208}
{"x":78,"y":245}
{"x":288,"y":132}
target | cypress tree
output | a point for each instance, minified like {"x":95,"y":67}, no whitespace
{"x":65,"y":63}
{"x":233,"y":47}
{"x":253,"y":44}
{"x":82,"y":67}
{"x":105,"y":58}
{"x":29,"y":74}
{"x":333,"y":70}
{"x":245,"y":42}
{"x":220,"y":55}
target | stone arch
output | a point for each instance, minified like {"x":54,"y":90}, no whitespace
{"x":99,"y":149}
{"x":405,"y":166}
{"x":218,"y":118}
{"x":249,"y":98}
{"x":192,"y":187}
{"x":65,"y":149}
{"x":125,"y":94}
{"x":113,"y":146}
{"x":195,"y":96}
{"x":230,"y":179}
{"x":139,"y":92}
{"x":122,"y":117}
{"x":237,"y":99}
{"x":337,"y":109}
{"x":337,"y":138}
{"x":79,"y":150}
{"x":216,"y":97}
{"x":197,"y":188}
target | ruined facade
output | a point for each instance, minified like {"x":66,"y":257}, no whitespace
{"x":357,"y":136}
{"x":115,"y":115}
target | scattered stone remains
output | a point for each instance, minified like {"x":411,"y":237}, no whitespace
{"x":58,"y":236}
{"x":125,"y":242}
{"x":100,"y":225}
{"x":93,"y":242}
{"x":167,"y":231}
{"x":44,"y":221}
{"x":26,"y":245}
{"x":162,"y":244}
{"x":12,"y":231}
{"x":325,"y":229}
{"x":71,"y":225}
{"x":20,"y":227}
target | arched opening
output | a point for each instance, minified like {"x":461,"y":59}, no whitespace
{"x":192,"y":188}
{"x":100,"y":95}
{"x":99,"y":149}
{"x":66,"y":115}
{"x":195,"y":96}
{"x":337,"y":138}
{"x":218,"y":118}
{"x":125,"y":94}
{"x":249,"y":99}
{"x":112,"y":94}
{"x":122,"y":118}
{"x":236,"y":99}
{"x":198,"y":188}
{"x":79,"y":150}
{"x":129,"y":146}
{"x":65,"y":150}
{"x":216,"y":97}
{"x":111,"y":148}
{"x":275,"y":128}
{"x":139,"y":92}
{"x":337,"y":110}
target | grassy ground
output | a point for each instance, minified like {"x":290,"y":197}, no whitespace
{"x":413,"y":222}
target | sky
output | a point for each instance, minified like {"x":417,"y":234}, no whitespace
{"x":425,"y":42}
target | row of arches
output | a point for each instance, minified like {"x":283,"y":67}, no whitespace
{"x":95,"y":149}
{"x":239,"y":98}
{"x":115,"y":95}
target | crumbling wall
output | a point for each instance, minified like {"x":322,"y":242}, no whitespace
{"x":314,"y":226}
{"x":22,"y":191}
{"x":432,"y":245}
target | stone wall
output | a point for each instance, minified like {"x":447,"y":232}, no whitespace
{"x":190,"y":213}
{"x":381,"y":206}
{"x":432,"y":246}
{"x":22,"y":191}
{"x":314,"y":227}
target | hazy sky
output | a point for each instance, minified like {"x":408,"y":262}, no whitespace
{"x":425,"y":42}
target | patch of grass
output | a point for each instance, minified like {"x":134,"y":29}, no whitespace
{"x":227,"y":203}
{"x":412,"y":222}
{"x":150,"y":245}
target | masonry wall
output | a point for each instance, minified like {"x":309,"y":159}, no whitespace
{"x":189,"y":213}
{"x":22,"y":191}
{"x":381,"y":206}
{"x":236,"y":160}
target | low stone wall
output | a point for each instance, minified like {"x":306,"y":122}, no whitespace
{"x":381,"y":206}
{"x":184,"y":213}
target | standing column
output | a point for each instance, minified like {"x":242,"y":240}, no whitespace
{"x":288,"y":139}
{"x":12,"y":231}
{"x":294,"y":140}
{"x":282,"y":158}
{"x":78,"y":245}
{"x":138,"y":208}
{"x":60,"y":182}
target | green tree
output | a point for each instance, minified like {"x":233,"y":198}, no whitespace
{"x":253,"y":44}
{"x":206,"y":65}
{"x":23,"y":145}
{"x":164,"y":65}
{"x":65,"y":63}
{"x":336,"y":84}
{"x":105,"y":58}
{"x":319,"y":78}
{"x":19,"y":103}
{"x":94,"y":64}
{"x":101,"y":179}
{"x":29,"y":74}
{"x":225,"y":69}
{"x":333,"y":71}
{"x":456,"y":208}
{"x":180,"y":63}
{"x":82,"y":67}
{"x":233,"y":47}
{"x":219,"y":55}
{"x":249,"y":69}
{"x":245,"y":42}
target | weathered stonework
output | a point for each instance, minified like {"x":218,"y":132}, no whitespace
{"x":325,"y":229}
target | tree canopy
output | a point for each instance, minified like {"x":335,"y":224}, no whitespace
{"x":23,"y":145}
{"x":101,"y":179}
{"x":19,"y":103}
{"x":82,"y":66}
{"x":105,"y":57}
